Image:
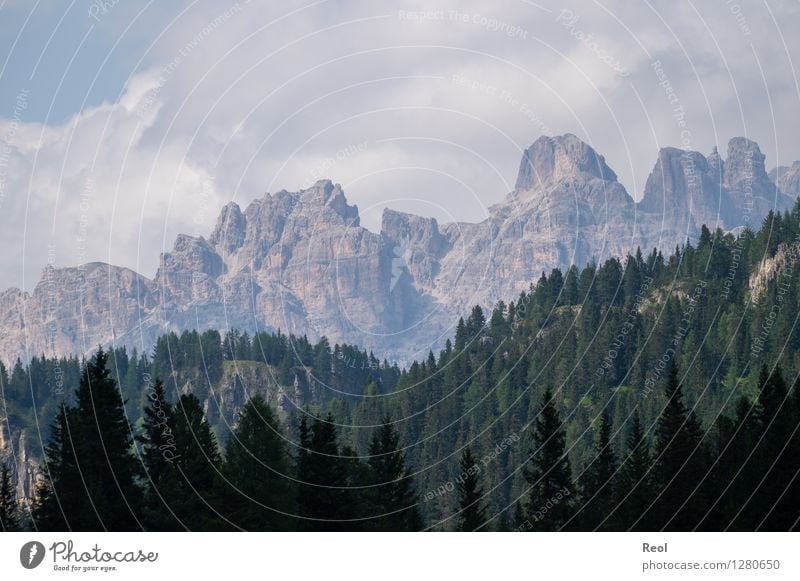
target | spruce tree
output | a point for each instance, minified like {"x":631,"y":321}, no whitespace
{"x":549,"y":503}
{"x":472,"y":514}
{"x":257,"y":467}
{"x":192,"y":481}
{"x":322,"y":478}
{"x":634,"y":491}
{"x":679,"y":462}
{"x":734,"y":476}
{"x":60,"y":495}
{"x":9,"y":519}
{"x":158,"y":452}
{"x":772,"y":509}
{"x":45,"y":512}
{"x":392,"y":487}
{"x":108,"y":467}
{"x":597,"y":482}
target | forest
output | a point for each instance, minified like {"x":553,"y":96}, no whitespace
{"x":650,"y":393}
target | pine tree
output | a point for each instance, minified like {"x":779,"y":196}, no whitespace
{"x":9,"y":520}
{"x":472,"y":514}
{"x":108,"y":467}
{"x":257,"y":468}
{"x":322,"y":478}
{"x":679,"y":465}
{"x":60,"y":495}
{"x":158,"y":452}
{"x":734,"y":475}
{"x":633,"y":486}
{"x":772,"y":510}
{"x":597,"y":482}
{"x":549,"y":505}
{"x":192,"y":481}
{"x":45,"y":512}
{"x":392,"y":487}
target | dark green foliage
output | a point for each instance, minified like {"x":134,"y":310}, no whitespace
{"x":323,"y":492}
{"x":548,"y":475}
{"x":634,"y":490}
{"x":597,"y":482}
{"x":472,"y":514}
{"x":60,"y":492}
{"x":9,"y":519}
{"x":158,"y":452}
{"x":91,"y":467}
{"x":680,"y":468}
{"x":105,"y":458}
{"x":391,"y":486}
{"x":259,"y":487}
{"x":192,"y":478}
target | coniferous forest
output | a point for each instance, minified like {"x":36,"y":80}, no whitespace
{"x":650,"y":393}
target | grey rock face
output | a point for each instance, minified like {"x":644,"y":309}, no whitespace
{"x":302,"y":263}
{"x":686,"y":190}
{"x":787,"y":179}
{"x":73,"y":310}
{"x":230,"y":230}
{"x":750,"y":189}
{"x":551,"y":159}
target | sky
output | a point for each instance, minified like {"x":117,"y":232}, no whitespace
{"x":125,"y":123}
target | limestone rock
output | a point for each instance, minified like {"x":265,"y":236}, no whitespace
{"x":787,"y":179}
{"x":301,"y":262}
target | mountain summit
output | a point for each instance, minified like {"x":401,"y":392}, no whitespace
{"x":563,"y":158}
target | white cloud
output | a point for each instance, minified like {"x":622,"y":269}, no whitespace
{"x":233,"y":100}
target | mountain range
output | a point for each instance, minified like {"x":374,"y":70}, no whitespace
{"x":302,"y":263}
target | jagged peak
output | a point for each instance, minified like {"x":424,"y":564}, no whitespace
{"x":229,"y":231}
{"x":739,"y":148}
{"x":740,"y":143}
{"x":391,"y":216}
{"x":744,"y":164}
{"x":325,"y":193}
{"x":559,"y":158}
{"x":408,"y":228}
{"x":183,"y":241}
{"x":715,"y":163}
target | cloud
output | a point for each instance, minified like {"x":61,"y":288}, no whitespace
{"x":422,"y":106}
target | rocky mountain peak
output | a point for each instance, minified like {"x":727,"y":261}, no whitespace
{"x":744,"y":166}
{"x":410,"y":230}
{"x":193,"y":253}
{"x":326,"y":194}
{"x":230,"y":230}
{"x":684,"y":188}
{"x":561,"y":158}
{"x":716,"y":166}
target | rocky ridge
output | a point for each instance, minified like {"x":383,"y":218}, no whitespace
{"x":301,"y":262}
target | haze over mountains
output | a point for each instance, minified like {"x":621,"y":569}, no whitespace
{"x":301,"y":262}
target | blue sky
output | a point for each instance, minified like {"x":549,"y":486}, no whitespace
{"x":131,"y":126}
{"x":65,"y":58}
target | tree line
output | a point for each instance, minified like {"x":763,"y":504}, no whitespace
{"x":98,"y":474}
